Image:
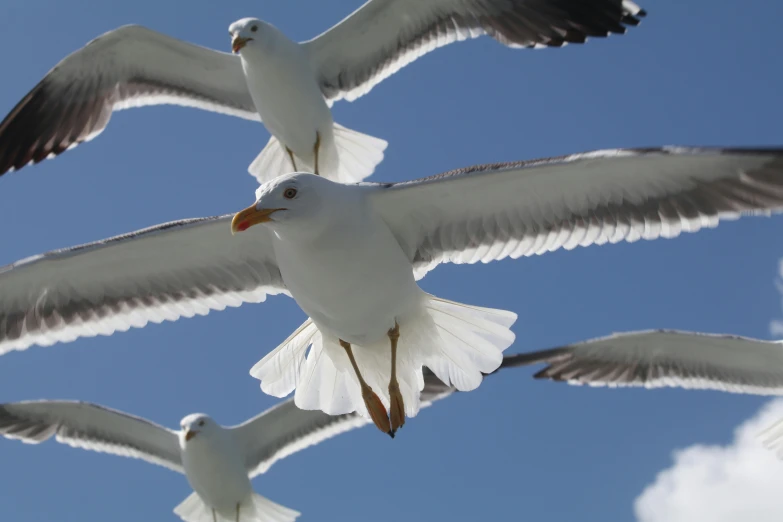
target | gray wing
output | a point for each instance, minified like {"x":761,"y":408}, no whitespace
{"x":128,"y":67}
{"x":91,"y":427}
{"x":285,"y":429}
{"x":382,"y":36}
{"x":491,"y":212}
{"x":655,"y":359}
{"x":178,"y":269}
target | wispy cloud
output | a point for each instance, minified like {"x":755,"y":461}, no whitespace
{"x":740,"y":481}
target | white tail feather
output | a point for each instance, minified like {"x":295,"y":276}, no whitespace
{"x":256,"y":509}
{"x":358,"y":154}
{"x":279,"y":370}
{"x":273,"y":161}
{"x":351,"y":158}
{"x":458,"y":342}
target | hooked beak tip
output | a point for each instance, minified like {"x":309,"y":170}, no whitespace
{"x":239,"y":227}
{"x":237,"y":43}
{"x":251,"y":216}
{"x":190,"y":434}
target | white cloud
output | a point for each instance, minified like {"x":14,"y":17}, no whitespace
{"x":742,"y":481}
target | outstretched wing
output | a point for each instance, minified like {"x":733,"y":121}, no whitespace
{"x":128,"y":67}
{"x":91,"y":427}
{"x":382,"y":36}
{"x":491,"y":212}
{"x":178,"y":269}
{"x":655,"y":359}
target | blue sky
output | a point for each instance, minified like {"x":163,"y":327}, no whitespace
{"x":694,"y":73}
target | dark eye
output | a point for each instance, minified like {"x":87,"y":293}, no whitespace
{"x":254,"y":28}
{"x":289,"y":193}
{"x":201,"y":423}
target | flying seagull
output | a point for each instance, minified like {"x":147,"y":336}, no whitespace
{"x":351,"y":254}
{"x":218,"y":462}
{"x":290,"y":86}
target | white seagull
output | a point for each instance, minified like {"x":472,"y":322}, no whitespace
{"x":218,"y":462}
{"x":350,"y":256}
{"x":290,"y":86}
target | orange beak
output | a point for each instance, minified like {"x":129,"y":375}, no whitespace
{"x":251,"y":216}
{"x":237,"y":43}
{"x":190,"y":434}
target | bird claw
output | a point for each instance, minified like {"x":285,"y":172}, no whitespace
{"x":377,"y":410}
{"x":396,"y":408}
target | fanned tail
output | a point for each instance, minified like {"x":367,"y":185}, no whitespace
{"x":256,"y":509}
{"x":352,"y":157}
{"x":459,"y":343}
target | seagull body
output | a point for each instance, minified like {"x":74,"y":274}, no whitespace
{"x":291,"y":105}
{"x":214,"y":467}
{"x":346,"y":241}
{"x":218,"y":462}
{"x":288,"y":85}
{"x":316,"y":245}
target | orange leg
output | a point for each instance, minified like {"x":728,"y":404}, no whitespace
{"x":291,"y":155}
{"x":374,"y":405}
{"x":316,"y":148}
{"x":397,"y":406}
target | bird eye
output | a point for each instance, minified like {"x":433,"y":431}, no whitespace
{"x":254,"y":28}
{"x":201,"y":423}
{"x":289,"y":193}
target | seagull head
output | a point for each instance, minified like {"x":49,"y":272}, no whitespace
{"x":287,"y":201}
{"x":194,"y":424}
{"x":243,"y":32}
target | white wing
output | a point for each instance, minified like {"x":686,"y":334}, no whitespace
{"x":655,"y":359}
{"x":178,"y":269}
{"x":490,"y":212}
{"x":91,"y":427}
{"x":128,"y":67}
{"x":382,"y":36}
{"x":285,"y":429}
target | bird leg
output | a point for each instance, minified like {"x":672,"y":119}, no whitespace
{"x":238,"y":504}
{"x":214,"y":516}
{"x":315,"y":150}
{"x":291,"y":155}
{"x":371,"y":400}
{"x":396,"y":404}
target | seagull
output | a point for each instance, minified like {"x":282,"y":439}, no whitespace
{"x":218,"y":462}
{"x":351,"y":256}
{"x":288,"y":85}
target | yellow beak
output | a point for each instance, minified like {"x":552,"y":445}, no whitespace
{"x":237,"y":43}
{"x":190,"y":434}
{"x":251,"y":216}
